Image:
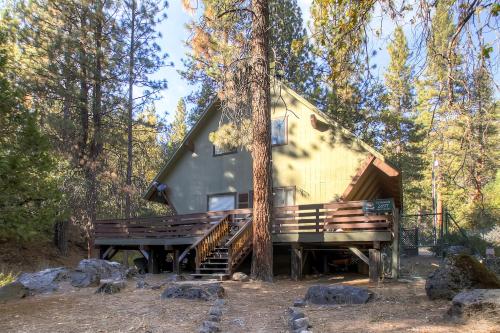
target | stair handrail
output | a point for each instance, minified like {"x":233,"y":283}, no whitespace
{"x":221,"y":225}
{"x":238,"y":242}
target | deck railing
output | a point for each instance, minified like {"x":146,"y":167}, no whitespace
{"x":331,"y":217}
{"x":319,"y":218}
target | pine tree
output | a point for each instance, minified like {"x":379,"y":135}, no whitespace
{"x":401,"y":135}
{"x":291,"y":52}
{"x":179,"y":129}
{"x":29,"y":200}
{"x":139,"y":19}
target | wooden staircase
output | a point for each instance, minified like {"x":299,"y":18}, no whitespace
{"x":223,"y":248}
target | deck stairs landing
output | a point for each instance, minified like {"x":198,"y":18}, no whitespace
{"x":223,"y":248}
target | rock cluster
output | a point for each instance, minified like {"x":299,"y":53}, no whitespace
{"x":202,"y":291}
{"x":297,"y":321}
{"x":89,"y":272}
{"x":214,"y":316}
{"x":111,"y":286}
{"x":330,"y":295}
{"x":461,"y":272}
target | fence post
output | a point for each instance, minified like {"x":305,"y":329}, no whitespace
{"x":395,"y":244}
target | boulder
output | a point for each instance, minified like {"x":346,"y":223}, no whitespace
{"x":300,"y":324}
{"x":241,"y":277}
{"x":207,"y":291}
{"x":103,"y":268}
{"x":81,"y":279}
{"x":474,"y":302}
{"x":44,"y":281}
{"x":175,"y":278}
{"x":89,"y":272}
{"x":459,"y":273}
{"x":325,"y":294}
{"x":12,"y":291}
{"x":294,"y":313}
{"x":110,"y":287}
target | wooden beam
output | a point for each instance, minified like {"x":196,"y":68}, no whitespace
{"x":361,"y":170}
{"x":296,"y":262}
{"x":375,"y":260}
{"x":360,"y":254}
{"x":334,"y":237}
{"x":386,"y":168}
{"x":395,"y":244}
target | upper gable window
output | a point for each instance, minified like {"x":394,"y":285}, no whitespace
{"x":279,"y":131}
{"x":218,"y":151}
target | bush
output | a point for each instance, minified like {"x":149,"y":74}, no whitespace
{"x":6,"y":278}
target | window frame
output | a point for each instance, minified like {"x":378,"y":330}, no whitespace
{"x":233,"y":194}
{"x":294,"y":188}
{"x":214,"y":154}
{"x":285,"y":120}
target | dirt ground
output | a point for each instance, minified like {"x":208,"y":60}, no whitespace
{"x":251,"y":307}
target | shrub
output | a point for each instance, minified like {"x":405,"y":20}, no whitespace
{"x":6,"y":278}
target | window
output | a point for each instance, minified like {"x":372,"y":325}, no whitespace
{"x":284,"y":196}
{"x":224,"y":151}
{"x":279,"y":131}
{"x":223,"y":201}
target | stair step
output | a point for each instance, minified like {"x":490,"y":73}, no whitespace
{"x":215,"y":263}
{"x":219,"y":276}
{"x":212,"y":269}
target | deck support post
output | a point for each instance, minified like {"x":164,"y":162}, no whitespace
{"x":155,"y":260}
{"x":296,"y":262}
{"x":176,"y":264}
{"x":395,"y":245}
{"x":375,"y":264}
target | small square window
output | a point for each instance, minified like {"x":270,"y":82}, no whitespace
{"x":284,"y":196}
{"x":279,"y":131}
{"x":223,"y":201}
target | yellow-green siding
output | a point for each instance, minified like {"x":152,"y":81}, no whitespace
{"x":320,"y":164}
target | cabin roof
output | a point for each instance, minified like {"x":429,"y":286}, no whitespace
{"x":187,"y":142}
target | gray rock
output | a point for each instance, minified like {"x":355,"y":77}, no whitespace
{"x":110,"y":287}
{"x":44,"y":281}
{"x":215,"y":311}
{"x":241,"y":277}
{"x":294,"y":313}
{"x":81,"y":279}
{"x":175,"y":278}
{"x":209,"y":327}
{"x":299,"y":302}
{"x":473,"y":302}
{"x":12,"y":291}
{"x":89,"y":272}
{"x":300,"y":324}
{"x":219,"y":302}
{"x":238,"y":322}
{"x":325,"y":294}
{"x":213,"y":318}
{"x":209,"y":291}
{"x":141,"y":284}
{"x":103,"y":268}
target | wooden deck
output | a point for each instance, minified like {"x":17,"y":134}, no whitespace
{"x":331,"y":222}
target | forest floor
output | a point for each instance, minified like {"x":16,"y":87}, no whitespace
{"x":252,"y":307}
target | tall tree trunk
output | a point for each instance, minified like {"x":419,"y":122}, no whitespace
{"x":131,"y":66}
{"x":96,"y":144}
{"x":262,"y":260}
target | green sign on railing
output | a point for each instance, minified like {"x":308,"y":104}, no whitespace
{"x":378,"y":206}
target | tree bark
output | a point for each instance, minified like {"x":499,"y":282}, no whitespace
{"x":262,"y":260}
{"x":130,"y":110}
